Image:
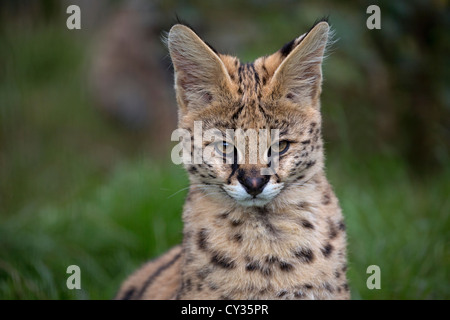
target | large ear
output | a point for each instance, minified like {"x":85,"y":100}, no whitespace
{"x":299,"y":76}
{"x":199,"y":72}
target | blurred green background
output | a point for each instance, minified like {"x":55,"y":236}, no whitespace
{"x":86,"y":116}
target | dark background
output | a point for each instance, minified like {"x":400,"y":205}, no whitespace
{"x":86,"y":117}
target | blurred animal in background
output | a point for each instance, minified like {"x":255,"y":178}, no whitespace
{"x":129,"y":76}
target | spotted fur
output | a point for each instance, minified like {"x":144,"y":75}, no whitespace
{"x":289,"y":243}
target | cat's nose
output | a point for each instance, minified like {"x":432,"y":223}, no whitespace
{"x":254,"y":185}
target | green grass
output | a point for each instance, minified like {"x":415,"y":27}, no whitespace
{"x":397,"y":222}
{"x":109,"y":232}
{"x":76,"y":190}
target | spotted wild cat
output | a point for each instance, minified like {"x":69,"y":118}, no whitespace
{"x":249,"y":235}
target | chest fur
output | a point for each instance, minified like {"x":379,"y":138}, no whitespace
{"x":293,"y":252}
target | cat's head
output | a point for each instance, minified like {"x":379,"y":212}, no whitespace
{"x":225,"y":99}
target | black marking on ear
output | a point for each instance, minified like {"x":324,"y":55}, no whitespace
{"x":186,"y":24}
{"x":323,"y":19}
{"x":179,"y":20}
{"x":287,"y":48}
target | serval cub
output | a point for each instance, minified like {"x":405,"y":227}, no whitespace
{"x":249,"y":235}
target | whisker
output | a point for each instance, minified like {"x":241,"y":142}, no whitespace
{"x":182,"y":189}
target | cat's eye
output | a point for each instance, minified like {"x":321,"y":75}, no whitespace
{"x":279,"y":148}
{"x":224,"y":148}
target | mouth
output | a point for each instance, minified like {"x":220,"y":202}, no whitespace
{"x":238,"y":194}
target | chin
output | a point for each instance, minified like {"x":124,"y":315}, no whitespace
{"x":254,"y":202}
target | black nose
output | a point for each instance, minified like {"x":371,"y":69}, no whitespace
{"x":254,"y":185}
